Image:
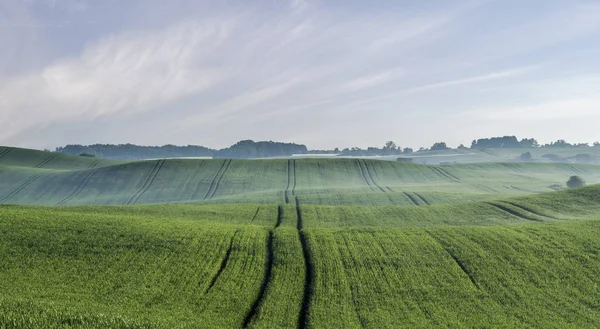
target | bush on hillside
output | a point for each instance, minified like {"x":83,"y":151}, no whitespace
{"x":87,"y":155}
{"x":525,"y":156}
{"x":575,"y":181}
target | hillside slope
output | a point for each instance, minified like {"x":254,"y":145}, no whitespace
{"x":34,"y":177}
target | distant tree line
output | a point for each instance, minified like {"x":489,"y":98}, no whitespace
{"x":242,"y":149}
{"x":263,"y":149}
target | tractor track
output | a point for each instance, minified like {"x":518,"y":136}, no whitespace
{"x":412,"y":198}
{"x":363,"y":174}
{"x":527,"y":209}
{"x":78,"y":189}
{"x":93,"y":164}
{"x":224,"y":262}
{"x":370,"y":176}
{"x":513,"y":212}
{"x":6,"y":151}
{"x":214,"y":185}
{"x":46,"y":160}
{"x":303,"y":317}
{"x":147,"y":183}
{"x":20,"y":188}
{"x":265,"y":283}
{"x":422,"y":198}
{"x":445,"y":174}
{"x":289,"y":181}
{"x":457,"y":261}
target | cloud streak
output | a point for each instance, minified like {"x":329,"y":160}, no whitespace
{"x":252,"y":67}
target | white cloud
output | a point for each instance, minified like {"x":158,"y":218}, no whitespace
{"x":121,"y":75}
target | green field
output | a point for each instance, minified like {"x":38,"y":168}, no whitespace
{"x":295,"y":243}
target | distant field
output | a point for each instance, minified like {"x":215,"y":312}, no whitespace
{"x":295,"y":243}
{"x":43,"y":178}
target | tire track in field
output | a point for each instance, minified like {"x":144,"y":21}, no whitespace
{"x":513,"y":212}
{"x":370,"y":176}
{"x":6,"y":151}
{"x":444,"y":173}
{"x":363,"y":174}
{"x":456,"y":260}
{"x":93,"y":164}
{"x":149,"y":180}
{"x":295,"y":177}
{"x":20,"y":188}
{"x":214,"y":185}
{"x":412,"y":198}
{"x":265,"y":283}
{"x":199,"y":184}
{"x":289,"y":181}
{"x":223,"y":264}
{"x":422,"y":198}
{"x":255,"y":214}
{"x":279,"y":216}
{"x":303,"y":317}
{"x":46,"y":160}
{"x":512,"y":167}
{"x":78,"y":189}
{"x":529,"y":210}
{"x":574,"y":169}
{"x":485,"y":188}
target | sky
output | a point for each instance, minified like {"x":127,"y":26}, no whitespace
{"x":325,"y":73}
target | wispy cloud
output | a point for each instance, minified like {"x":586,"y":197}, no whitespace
{"x":254,"y":66}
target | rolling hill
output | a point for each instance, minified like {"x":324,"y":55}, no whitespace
{"x":286,"y":243}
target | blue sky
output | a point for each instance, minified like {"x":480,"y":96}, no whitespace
{"x":324,"y":73}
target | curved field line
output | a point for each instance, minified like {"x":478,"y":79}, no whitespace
{"x":575,"y":170}
{"x":265,"y":283}
{"x":412,"y":199}
{"x":370,"y":176}
{"x":223,"y":264}
{"x":483,"y":187}
{"x":279,"y":216}
{"x":6,"y":151}
{"x":134,"y":198}
{"x":295,"y":178}
{"x":78,"y":189}
{"x":46,"y":160}
{"x":527,"y":209}
{"x":510,"y":167}
{"x":303,"y":317}
{"x":214,"y":180}
{"x":513,"y":212}
{"x":422,"y":198}
{"x":363,"y":175}
{"x":287,"y":187}
{"x":487,"y":152}
{"x":20,"y":188}
{"x":219,"y":180}
{"x":457,"y":261}
{"x":212,"y":183}
{"x":445,"y":173}
{"x":93,"y":164}
{"x":389,"y":189}
{"x":255,"y":214}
